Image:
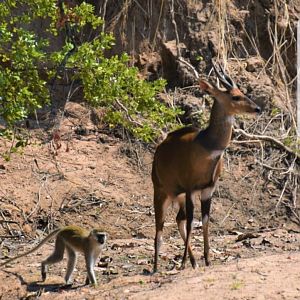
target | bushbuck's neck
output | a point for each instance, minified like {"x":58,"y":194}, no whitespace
{"x":218,"y":133}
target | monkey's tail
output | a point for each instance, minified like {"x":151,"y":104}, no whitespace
{"x":40,"y":244}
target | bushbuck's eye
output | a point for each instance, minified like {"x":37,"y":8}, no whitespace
{"x":236,"y":98}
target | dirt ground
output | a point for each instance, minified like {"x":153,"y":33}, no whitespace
{"x":96,"y":179}
{"x":93,"y":178}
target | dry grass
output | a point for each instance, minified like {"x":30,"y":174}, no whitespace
{"x":275,"y":166}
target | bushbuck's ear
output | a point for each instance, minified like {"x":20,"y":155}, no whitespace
{"x":206,"y":86}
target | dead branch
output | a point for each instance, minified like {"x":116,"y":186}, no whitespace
{"x":7,"y":224}
{"x":281,"y":195}
{"x":103,"y":15}
{"x":268,"y":139}
{"x":8,"y":221}
{"x":128,"y":114}
{"x":180,"y":58}
{"x":9,"y":236}
{"x":37,"y":205}
{"x":175,"y":27}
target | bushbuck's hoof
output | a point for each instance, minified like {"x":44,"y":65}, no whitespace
{"x":193,"y":262}
{"x":194,"y":265}
{"x":207,"y":262}
{"x":87,"y":281}
{"x":68,"y":285}
{"x":44,"y":276}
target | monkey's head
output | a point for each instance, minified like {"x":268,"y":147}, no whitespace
{"x":99,"y":236}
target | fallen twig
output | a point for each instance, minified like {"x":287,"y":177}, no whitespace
{"x":4,"y":219}
{"x":227,"y":214}
{"x":43,"y":181}
{"x":9,"y":221}
{"x":9,"y":236}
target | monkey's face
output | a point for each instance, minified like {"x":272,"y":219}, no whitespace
{"x":101,"y":238}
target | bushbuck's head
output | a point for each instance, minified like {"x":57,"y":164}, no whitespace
{"x":232,"y":99}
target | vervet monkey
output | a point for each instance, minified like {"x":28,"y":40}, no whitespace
{"x":73,"y":239}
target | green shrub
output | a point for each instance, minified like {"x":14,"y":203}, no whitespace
{"x":27,"y":66}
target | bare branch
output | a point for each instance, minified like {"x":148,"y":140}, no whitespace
{"x":268,"y":139}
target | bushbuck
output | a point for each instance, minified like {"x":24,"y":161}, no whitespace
{"x":189,"y":160}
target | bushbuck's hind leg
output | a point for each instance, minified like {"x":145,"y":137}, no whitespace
{"x":181,"y":222}
{"x":189,"y":207}
{"x":205,"y":211}
{"x":161,"y":204}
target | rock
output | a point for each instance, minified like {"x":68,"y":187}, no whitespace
{"x":247,"y":235}
{"x":143,"y":261}
{"x":146,"y":272}
{"x":254,"y":64}
{"x":127,"y":266}
{"x":149,"y":64}
{"x":176,"y":72}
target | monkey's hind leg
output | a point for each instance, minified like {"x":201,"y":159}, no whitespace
{"x":56,"y":256}
{"x":72,"y":258}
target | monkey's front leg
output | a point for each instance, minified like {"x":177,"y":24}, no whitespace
{"x":90,"y":263}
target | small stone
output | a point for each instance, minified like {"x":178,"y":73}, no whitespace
{"x":254,"y":64}
{"x":143,"y":261}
